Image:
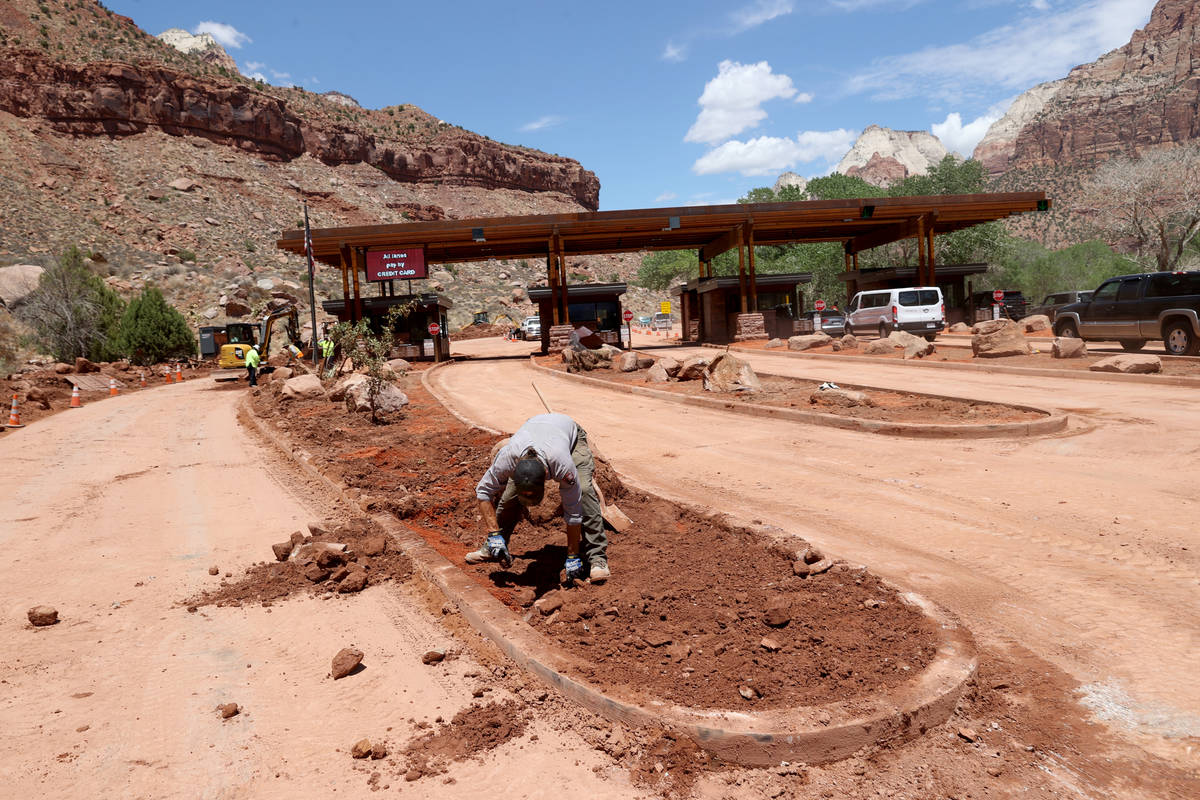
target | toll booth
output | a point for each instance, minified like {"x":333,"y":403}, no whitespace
{"x":710,"y":307}
{"x":413,"y":341}
{"x":595,"y":306}
{"x":952,"y":279}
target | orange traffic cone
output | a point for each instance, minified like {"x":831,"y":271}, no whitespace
{"x":178,"y":373}
{"x":170,"y":376}
{"x":75,"y":403}
{"x":141,"y":380}
{"x":14,"y":417}
{"x":112,"y":387}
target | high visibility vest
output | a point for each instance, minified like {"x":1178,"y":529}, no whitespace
{"x":326,"y":348}
{"x":252,"y":358}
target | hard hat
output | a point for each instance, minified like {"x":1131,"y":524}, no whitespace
{"x":255,"y":347}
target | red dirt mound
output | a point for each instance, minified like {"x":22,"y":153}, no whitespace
{"x":473,"y":731}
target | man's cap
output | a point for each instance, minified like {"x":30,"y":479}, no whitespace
{"x":529,"y":473}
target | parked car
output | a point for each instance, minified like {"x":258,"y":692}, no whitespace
{"x":531,"y":328}
{"x":1133,"y":309}
{"x":1051,"y":304}
{"x":833,"y":323}
{"x":644,"y":320}
{"x":662,"y":322}
{"x":917,"y":309}
{"x":1014,"y":303}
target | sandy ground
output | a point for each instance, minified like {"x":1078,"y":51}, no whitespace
{"x":114,"y":514}
{"x":1081,"y":547}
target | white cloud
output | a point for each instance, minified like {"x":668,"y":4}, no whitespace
{"x":857,"y":5}
{"x":1040,"y":5}
{"x":732,"y":101}
{"x":255,"y":66}
{"x":758,"y":12}
{"x":665,"y":197}
{"x":767,"y":155}
{"x":804,"y":97}
{"x":674,"y":52}
{"x":960,"y":138}
{"x":541,"y":123}
{"x":1030,"y":50}
{"x":226,"y":35}
{"x":281,"y":76}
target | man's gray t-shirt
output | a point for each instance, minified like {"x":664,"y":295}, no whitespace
{"x":552,"y":437}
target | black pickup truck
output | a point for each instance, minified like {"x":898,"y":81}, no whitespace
{"x":1133,"y":309}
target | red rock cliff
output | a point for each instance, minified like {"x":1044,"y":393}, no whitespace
{"x":114,"y":99}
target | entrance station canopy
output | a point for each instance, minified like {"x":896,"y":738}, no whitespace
{"x":859,"y":224}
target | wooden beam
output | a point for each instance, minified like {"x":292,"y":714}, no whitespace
{"x":345,"y":259}
{"x":905,"y":229}
{"x":360,"y":259}
{"x":552,"y":281}
{"x":741,"y":267}
{"x":753,"y":267}
{"x":722,"y":244}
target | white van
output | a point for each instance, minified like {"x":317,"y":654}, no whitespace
{"x":920,"y":310}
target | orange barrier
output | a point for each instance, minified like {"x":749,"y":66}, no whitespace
{"x":14,"y":416}
{"x":112,"y":387}
{"x":75,"y":402}
{"x":141,"y":380}
{"x":178,"y":373}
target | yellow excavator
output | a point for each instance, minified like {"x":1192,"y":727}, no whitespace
{"x":241,"y":336}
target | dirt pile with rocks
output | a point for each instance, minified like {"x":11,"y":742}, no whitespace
{"x":479,"y":331}
{"x":471,"y":733}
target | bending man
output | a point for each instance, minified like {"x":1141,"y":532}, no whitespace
{"x":548,"y":446}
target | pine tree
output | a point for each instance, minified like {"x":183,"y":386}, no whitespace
{"x":150,"y":330}
{"x":72,"y":312}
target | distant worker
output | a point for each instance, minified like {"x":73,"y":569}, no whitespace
{"x":252,"y":361}
{"x":326,"y":345}
{"x":547,"y":446}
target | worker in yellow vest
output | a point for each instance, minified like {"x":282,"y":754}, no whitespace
{"x":326,"y":345}
{"x":253,"y":359}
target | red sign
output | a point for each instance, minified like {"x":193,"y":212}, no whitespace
{"x":998,"y":295}
{"x":819,"y":305}
{"x":434,"y":329}
{"x":627,"y":316}
{"x":386,"y":265}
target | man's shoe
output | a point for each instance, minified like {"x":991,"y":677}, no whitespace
{"x":599,"y":571}
{"x":479,"y":556}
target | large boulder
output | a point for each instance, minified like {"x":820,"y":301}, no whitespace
{"x":808,"y":342}
{"x":16,"y":282}
{"x":1128,"y":364}
{"x":997,"y":338}
{"x":304,"y":387}
{"x":914,"y":346}
{"x":848,"y":342}
{"x":236,"y":308}
{"x":338,"y":392}
{"x":727,"y":373}
{"x":774,"y":343}
{"x":626,"y":362}
{"x":82,"y":365}
{"x":389,"y":400}
{"x":670,"y":365}
{"x":1068,"y":348}
{"x":1035,"y":323}
{"x":692,"y":369}
{"x":840,"y":398}
{"x":583,"y":360}
{"x":608,"y":352}
{"x":880,"y":347}
{"x":282,"y":373}
{"x":658,"y":373}
{"x":399,"y":366}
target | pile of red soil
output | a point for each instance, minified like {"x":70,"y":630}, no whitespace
{"x":684,"y":617}
{"x":473,"y":731}
{"x":269,"y":581}
{"x":483,"y":331}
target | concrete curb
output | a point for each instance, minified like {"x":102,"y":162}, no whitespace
{"x":1068,"y":374}
{"x":1053,"y":422}
{"x":811,"y":734}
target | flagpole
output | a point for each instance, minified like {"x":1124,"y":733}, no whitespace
{"x":312,"y":291}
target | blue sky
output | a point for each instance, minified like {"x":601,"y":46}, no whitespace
{"x":670,"y":102}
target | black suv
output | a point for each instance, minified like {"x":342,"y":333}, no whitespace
{"x":1134,"y":308}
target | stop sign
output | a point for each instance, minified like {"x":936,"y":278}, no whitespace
{"x":998,"y":295}
{"x":434,"y":329}
{"x":627,"y":316}
{"x":819,"y":305}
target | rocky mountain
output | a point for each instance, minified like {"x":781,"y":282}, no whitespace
{"x":995,"y":150}
{"x":169,"y":166}
{"x":202,"y":45}
{"x":882,"y":156}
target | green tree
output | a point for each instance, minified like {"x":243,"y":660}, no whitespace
{"x":665,"y":268}
{"x":370,"y":349}
{"x":842,"y":187}
{"x":1037,"y":272}
{"x":72,"y":312}
{"x":151,"y":330}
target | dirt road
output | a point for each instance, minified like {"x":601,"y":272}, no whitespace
{"x":1081,"y":547}
{"x":113,"y":514}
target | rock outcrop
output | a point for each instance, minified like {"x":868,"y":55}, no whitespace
{"x":995,"y":149}
{"x":202,"y":45}
{"x":882,"y":156}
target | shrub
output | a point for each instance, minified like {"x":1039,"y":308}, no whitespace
{"x":151,"y":330}
{"x":370,"y":349}
{"x":72,"y":312}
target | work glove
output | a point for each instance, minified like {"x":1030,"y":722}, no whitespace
{"x":574,"y":568}
{"x":498,"y":549}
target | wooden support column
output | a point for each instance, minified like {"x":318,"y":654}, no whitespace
{"x":929,"y":252}
{"x":741,"y":267}
{"x":360,"y":259}
{"x":753,"y":269}
{"x":921,"y":251}
{"x":346,"y":256}
{"x":552,"y":279}
{"x":562,"y":280}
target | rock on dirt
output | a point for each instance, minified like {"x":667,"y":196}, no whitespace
{"x":345,"y":662}
{"x":282,"y":550}
{"x":914,"y":346}
{"x":997,"y":338}
{"x":960,"y":327}
{"x":658,"y":374}
{"x":692,"y":369}
{"x":880,"y":347}
{"x":774,"y":343}
{"x":840,"y":398}
{"x":746,"y":692}
{"x":433,"y":657}
{"x":374,"y":545}
{"x":727,"y":373}
{"x":626,"y":362}
{"x":1128,"y":364}
{"x":549,"y":603}
{"x":849,"y":342}
{"x":361,"y":749}
{"x":304,"y":387}
{"x":43,"y":615}
{"x":281,"y":374}
{"x":227,"y":710}
{"x":82,"y":365}
{"x":338,"y":392}
{"x":770,"y":645}
{"x":1035,"y":323}
{"x":809,"y":341}
{"x":389,"y":400}
{"x":378,"y":751}
{"x":356,"y":581}
{"x":1068,"y":348}
{"x":214,"y":570}
{"x":315,"y":573}
{"x":670,"y":365}
{"x":778,"y":612}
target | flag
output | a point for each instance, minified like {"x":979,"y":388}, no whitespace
{"x":308,"y":246}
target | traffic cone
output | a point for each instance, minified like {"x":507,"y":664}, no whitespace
{"x":112,"y":387}
{"x":14,"y":417}
{"x":75,"y":403}
{"x":141,"y":380}
{"x":178,"y":373}
{"x":170,"y":376}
